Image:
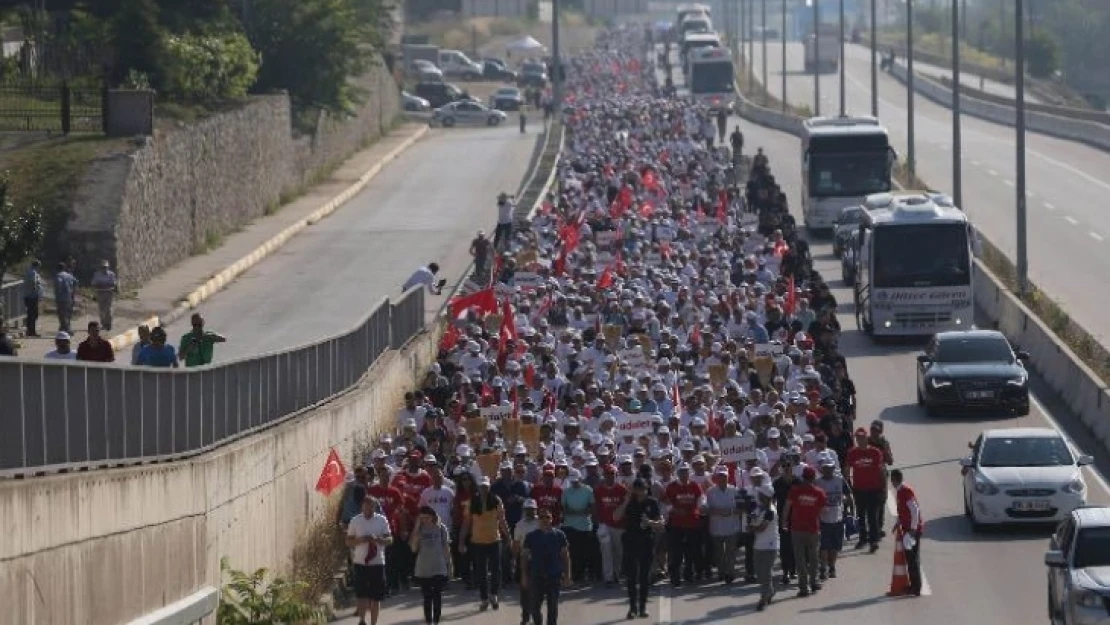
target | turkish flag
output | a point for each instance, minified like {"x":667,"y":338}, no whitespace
{"x":791,"y":297}
{"x":605,"y":281}
{"x":484,"y":300}
{"x":722,"y":207}
{"x":333,"y":475}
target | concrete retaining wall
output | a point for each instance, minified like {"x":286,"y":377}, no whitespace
{"x":104,"y":547}
{"x":1091,"y":133}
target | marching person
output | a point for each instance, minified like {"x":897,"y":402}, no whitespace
{"x":838,"y":503}
{"x":865,"y":470}
{"x":764,"y":525}
{"x":803,"y":508}
{"x":546,"y":568}
{"x":643,"y":519}
{"x":368,"y":535}
{"x":724,"y":524}
{"x":431,"y":542}
{"x":911,"y":523}
{"x":483,"y":525}
{"x":528,"y":524}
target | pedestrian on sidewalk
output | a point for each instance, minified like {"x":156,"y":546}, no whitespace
{"x":62,"y":348}
{"x":106,"y":285}
{"x":431,"y":542}
{"x":65,"y":297}
{"x":504,"y":231}
{"x":94,"y":348}
{"x":144,"y":340}
{"x":33,"y":288}
{"x":368,"y":535}
{"x":198,"y":345}
{"x":546,"y":568}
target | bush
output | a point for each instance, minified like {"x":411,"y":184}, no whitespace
{"x":207,"y":68}
{"x":250,"y":600}
{"x":1043,"y":54}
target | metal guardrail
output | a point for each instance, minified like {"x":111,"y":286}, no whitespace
{"x":62,"y":416}
{"x":189,"y":611}
{"x":11,"y":302}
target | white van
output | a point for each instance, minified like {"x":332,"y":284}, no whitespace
{"x":455,"y":63}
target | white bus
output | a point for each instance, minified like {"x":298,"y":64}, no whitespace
{"x":913,"y":265}
{"x":688,"y":10}
{"x":844,"y":159}
{"x":693,"y":42}
{"x":710,"y":77}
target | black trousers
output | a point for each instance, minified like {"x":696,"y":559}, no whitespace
{"x":869,"y":503}
{"x":487,"y":568}
{"x":747,"y":541}
{"x":400,"y":559}
{"x":432,"y":590}
{"x":462,"y":560}
{"x":32,"y":305}
{"x":544,"y":588}
{"x":583,"y":553}
{"x":786,"y":553}
{"x":682,"y":551}
{"x":638,"y":562}
{"x":913,"y":565}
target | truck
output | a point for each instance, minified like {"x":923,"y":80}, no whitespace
{"x":822,"y":50}
{"x":913,"y":275}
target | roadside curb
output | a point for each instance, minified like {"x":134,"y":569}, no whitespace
{"x":217,"y":282}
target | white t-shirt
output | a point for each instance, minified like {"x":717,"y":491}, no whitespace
{"x":362,"y":526}
{"x":439,"y":499}
{"x":56,"y":355}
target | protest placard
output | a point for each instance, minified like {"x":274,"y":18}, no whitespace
{"x":475,"y":427}
{"x":510,"y":430}
{"x":612,"y":335}
{"x":768,"y":350}
{"x":493,"y":323}
{"x":738,"y":449}
{"x":633,"y":424}
{"x":489,"y":463}
{"x":718,"y":376}
{"x":526,"y":257}
{"x":605,"y":238}
{"x":530,"y":436}
{"x":634,"y":357}
{"x":527,"y":280}
{"x":497,"y":414}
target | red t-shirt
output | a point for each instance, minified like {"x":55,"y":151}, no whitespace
{"x":684,"y":500}
{"x":903,"y":497}
{"x":806,"y":503}
{"x":866,"y":466}
{"x":393,"y":505}
{"x":550,"y":497}
{"x":608,"y":499}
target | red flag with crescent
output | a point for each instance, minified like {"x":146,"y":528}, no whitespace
{"x":333,"y":475}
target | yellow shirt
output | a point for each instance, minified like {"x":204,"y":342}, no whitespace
{"x":484,"y":527}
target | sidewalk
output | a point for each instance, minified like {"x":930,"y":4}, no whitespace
{"x":166,"y":291}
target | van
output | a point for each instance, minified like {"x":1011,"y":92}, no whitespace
{"x":438,"y":93}
{"x":455,"y":63}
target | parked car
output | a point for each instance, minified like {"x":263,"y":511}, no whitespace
{"x":848,"y":259}
{"x":495,"y":69}
{"x":455,"y":63}
{"x":467,"y":113}
{"x":438,"y":93}
{"x":507,"y":99}
{"x":426,"y":71}
{"x":1022,"y":476}
{"x":532,"y":74}
{"x":846,"y":223}
{"x":972,"y":370}
{"x":414,"y":104}
{"x":1078,"y":557}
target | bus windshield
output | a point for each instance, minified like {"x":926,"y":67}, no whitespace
{"x":849,"y":174}
{"x":921,"y":255}
{"x":712,"y":78}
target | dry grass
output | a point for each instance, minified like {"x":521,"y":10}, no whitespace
{"x":319,"y":555}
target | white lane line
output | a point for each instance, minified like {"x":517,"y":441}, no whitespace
{"x":975,"y":162}
{"x":1096,"y":236}
{"x":1049,"y":206}
{"x":892,"y":513}
{"x":1029,"y":194}
{"x":1009,"y":182}
{"x":665,"y":603}
{"x":1071,"y":220}
{"x":992,"y":172}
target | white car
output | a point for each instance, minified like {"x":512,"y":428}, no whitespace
{"x":467,"y":113}
{"x":1022,"y":475}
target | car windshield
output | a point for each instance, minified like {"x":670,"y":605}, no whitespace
{"x":1092,"y":547}
{"x":1025,"y":451}
{"x":507,"y":92}
{"x":977,"y":349}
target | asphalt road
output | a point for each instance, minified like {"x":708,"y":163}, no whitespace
{"x":993,"y":578}
{"x":425,"y":206}
{"x":1069,"y":232}
{"x":975,"y":81}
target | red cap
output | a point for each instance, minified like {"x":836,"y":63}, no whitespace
{"x":610,"y":469}
{"x":861,"y":432}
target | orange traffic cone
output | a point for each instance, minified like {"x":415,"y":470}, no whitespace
{"x":899,"y":577}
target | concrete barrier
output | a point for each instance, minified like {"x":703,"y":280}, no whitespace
{"x":1076,"y":384}
{"x":106,"y":547}
{"x":1090,"y":133}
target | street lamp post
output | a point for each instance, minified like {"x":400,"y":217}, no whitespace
{"x":763,"y":54}
{"x":751,"y":40}
{"x":557,"y":79}
{"x":843,"y":85}
{"x":911,"y":162}
{"x":1019,"y":80}
{"x":874,"y":60}
{"x":783,"y":35}
{"x":957,"y":139}
{"x":816,"y":57}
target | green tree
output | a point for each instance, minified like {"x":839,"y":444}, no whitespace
{"x":250,"y":600}
{"x":208,"y":68}
{"x":137,"y":38}
{"x":21,"y":228}
{"x":1043,"y":54}
{"x":312,"y":48}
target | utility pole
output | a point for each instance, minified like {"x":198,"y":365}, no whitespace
{"x":816,"y":56}
{"x":751,"y":40}
{"x":784,"y":105}
{"x":957,"y":139}
{"x":1019,"y":80}
{"x":911,"y":163}
{"x":763,"y":21}
{"x":874,"y":60}
{"x":843,"y":84}
{"x":743,"y":52}
{"x":557,"y":79}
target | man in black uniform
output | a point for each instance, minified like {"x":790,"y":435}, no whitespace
{"x":642,"y":518}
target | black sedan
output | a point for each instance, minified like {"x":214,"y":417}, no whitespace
{"x":972,"y":370}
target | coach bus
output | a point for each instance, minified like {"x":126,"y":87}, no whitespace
{"x":844,"y":159}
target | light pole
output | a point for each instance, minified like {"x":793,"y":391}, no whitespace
{"x":874,"y":60}
{"x":911,"y":162}
{"x":1019,"y":80}
{"x":742,"y":52}
{"x":557,"y":79}
{"x":751,"y":40}
{"x":957,"y":139}
{"x":783,"y":35}
{"x":816,"y":57}
{"x":843,"y":86}
{"x":763,"y":54}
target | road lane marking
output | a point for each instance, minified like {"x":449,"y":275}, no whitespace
{"x":1029,"y":194}
{"x":1096,"y":236}
{"x":975,"y":162}
{"x":1071,"y":220}
{"x":992,"y":172}
{"x":892,"y":513}
{"x":1049,"y":206}
{"x":665,"y":603}
{"x":1009,"y":182}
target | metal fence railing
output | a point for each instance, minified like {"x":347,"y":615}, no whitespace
{"x":51,"y":106}
{"x":59,"y":416}
{"x":12,"y":310}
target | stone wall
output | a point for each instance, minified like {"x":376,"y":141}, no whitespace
{"x":183,"y":190}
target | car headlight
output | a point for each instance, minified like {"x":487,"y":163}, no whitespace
{"x":984,"y":486}
{"x":1087,"y":599}
{"x":1074,"y":487}
{"x":1018,"y":380}
{"x":939,"y":382}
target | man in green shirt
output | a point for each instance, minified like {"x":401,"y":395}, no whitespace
{"x":197,"y":345}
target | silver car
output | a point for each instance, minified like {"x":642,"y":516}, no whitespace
{"x":1078,"y":560}
{"x":846,"y":223}
{"x":414,"y":104}
{"x":467,"y":113}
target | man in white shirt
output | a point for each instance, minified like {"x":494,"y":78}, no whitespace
{"x":62,"y":348}
{"x":505,"y":208}
{"x":368,"y":535}
{"x":425,"y":276}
